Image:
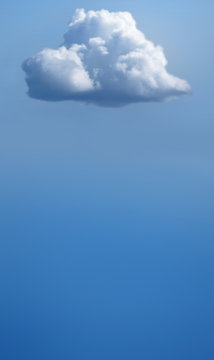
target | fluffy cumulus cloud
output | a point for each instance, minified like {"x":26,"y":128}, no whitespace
{"x":104,"y":60}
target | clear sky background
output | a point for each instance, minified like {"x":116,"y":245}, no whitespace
{"x":107,"y":237}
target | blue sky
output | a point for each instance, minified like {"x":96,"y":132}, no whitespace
{"x":107,"y":214}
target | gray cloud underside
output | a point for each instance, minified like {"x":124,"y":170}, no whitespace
{"x":104,"y":60}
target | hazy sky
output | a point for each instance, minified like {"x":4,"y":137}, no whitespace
{"x":107,"y":213}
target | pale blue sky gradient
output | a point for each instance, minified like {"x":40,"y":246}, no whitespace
{"x":107,"y":237}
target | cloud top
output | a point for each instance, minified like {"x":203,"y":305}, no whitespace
{"x":104,"y":60}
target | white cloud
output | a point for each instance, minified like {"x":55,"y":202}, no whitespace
{"x":104,"y":60}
